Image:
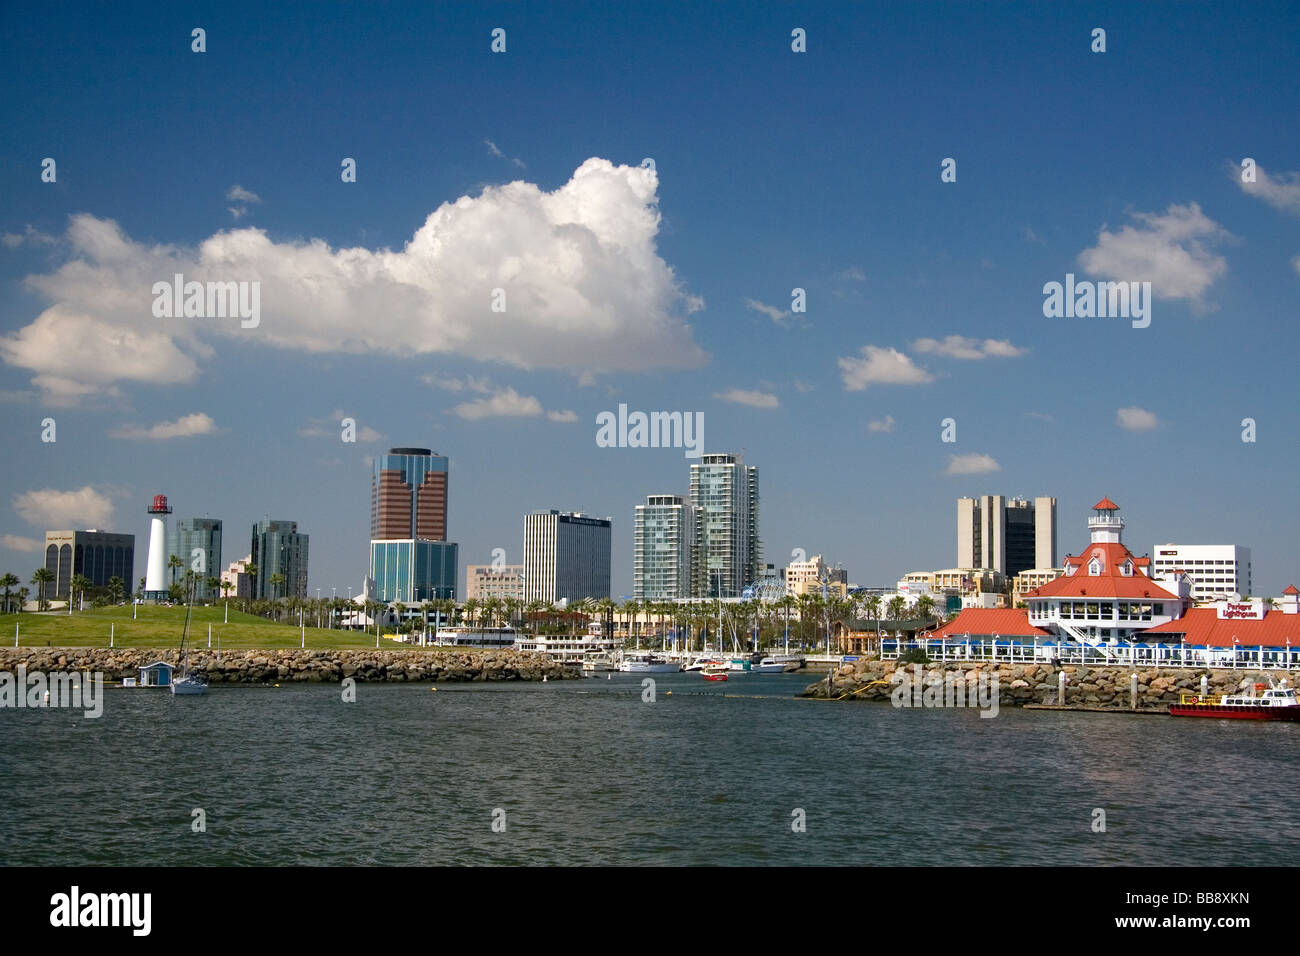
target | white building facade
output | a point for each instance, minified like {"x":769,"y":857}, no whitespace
{"x":566,"y":556}
{"x":1217,"y":571}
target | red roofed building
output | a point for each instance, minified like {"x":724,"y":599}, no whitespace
{"x":1246,"y":624}
{"x":1106,"y":593}
{"x":979,"y":623}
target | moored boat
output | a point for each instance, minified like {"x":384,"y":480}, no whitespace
{"x":1275,"y":703}
{"x":715,"y":670}
{"x":648,"y":664}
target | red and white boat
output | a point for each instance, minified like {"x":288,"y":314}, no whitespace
{"x":715,"y":670}
{"x":1274,"y":703}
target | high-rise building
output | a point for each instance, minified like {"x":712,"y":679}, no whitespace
{"x":805,"y":577}
{"x":1216,"y":571}
{"x":566,"y":556}
{"x":237,"y":576}
{"x":664,"y":543}
{"x":278,"y":548}
{"x":503,"y":582}
{"x":99,"y":555}
{"x":411,"y":559}
{"x":728,"y":552}
{"x":197,"y":542}
{"x":1009,"y":535}
{"x":408,"y":496}
{"x":413,"y":570}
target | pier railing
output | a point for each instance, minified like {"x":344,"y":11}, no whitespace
{"x":977,"y":650}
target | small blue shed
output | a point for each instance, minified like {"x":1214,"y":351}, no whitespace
{"x":157,"y":674}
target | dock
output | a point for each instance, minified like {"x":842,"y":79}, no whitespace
{"x":1090,"y":709}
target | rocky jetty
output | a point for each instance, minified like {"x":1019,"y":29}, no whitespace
{"x":270,"y":667}
{"x":1019,"y":684}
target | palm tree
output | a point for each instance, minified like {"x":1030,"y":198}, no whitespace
{"x":213,"y":583}
{"x":22,"y":598}
{"x":872,"y":605}
{"x":8,"y":582}
{"x":471,"y":610}
{"x":174,"y":562}
{"x":116,"y":589}
{"x":42,"y":577}
{"x":139,"y":593}
{"x":925,"y":607}
{"x":78,"y":587}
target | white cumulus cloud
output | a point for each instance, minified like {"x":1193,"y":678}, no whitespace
{"x":184,"y":427}
{"x":1282,"y":192}
{"x":754,"y":399}
{"x":503,"y":403}
{"x":1171,"y":251}
{"x":16,"y":543}
{"x":880,"y":366}
{"x":972,"y":464}
{"x":57,"y":510}
{"x":585,"y":289}
{"x":885,"y":424}
{"x":961,"y":347}
{"x":1136,"y":419}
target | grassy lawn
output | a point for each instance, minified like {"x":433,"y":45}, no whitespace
{"x":161,"y":627}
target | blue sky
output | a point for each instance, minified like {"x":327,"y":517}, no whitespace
{"x":772,"y":170}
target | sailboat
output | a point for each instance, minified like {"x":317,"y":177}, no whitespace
{"x":185,"y":682}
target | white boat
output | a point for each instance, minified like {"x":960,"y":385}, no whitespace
{"x":648,"y":664}
{"x":184,"y":682}
{"x":572,"y":649}
{"x":598,"y":662}
{"x":189,"y":684}
{"x":486,"y":637}
{"x":767,"y":666}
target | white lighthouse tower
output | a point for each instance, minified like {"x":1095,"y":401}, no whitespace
{"x":155,"y":577}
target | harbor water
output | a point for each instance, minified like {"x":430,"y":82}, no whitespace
{"x":590,"y":772}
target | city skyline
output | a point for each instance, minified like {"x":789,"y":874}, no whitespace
{"x":923,"y":299}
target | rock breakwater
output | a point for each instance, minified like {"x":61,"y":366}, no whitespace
{"x":269,"y":667}
{"x":1020,"y":684}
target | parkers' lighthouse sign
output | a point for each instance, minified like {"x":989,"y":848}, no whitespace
{"x":1252,"y":610}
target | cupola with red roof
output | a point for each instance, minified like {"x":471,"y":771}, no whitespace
{"x":1106,"y":526}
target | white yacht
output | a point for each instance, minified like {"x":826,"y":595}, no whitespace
{"x":572,"y":648}
{"x":645,"y":663}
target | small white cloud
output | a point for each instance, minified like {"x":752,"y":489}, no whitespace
{"x":1136,"y":419}
{"x":30,"y":236}
{"x":1041,"y":416}
{"x":14,"y":543}
{"x":1280,"y":193}
{"x":58,"y":510}
{"x":495,"y":151}
{"x":885,"y":424}
{"x":1170,"y":251}
{"x":566,"y":416}
{"x":184,"y":427}
{"x":972,"y":464}
{"x":1031,"y":236}
{"x":880,"y":366}
{"x":853,"y":274}
{"x":960,"y":347}
{"x":777,"y":315}
{"x":503,"y":403}
{"x":754,"y":399}
{"x":802,"y":387}
{"x":238,"y":193}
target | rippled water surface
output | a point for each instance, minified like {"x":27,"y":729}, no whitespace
{"x":588,"y":773}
